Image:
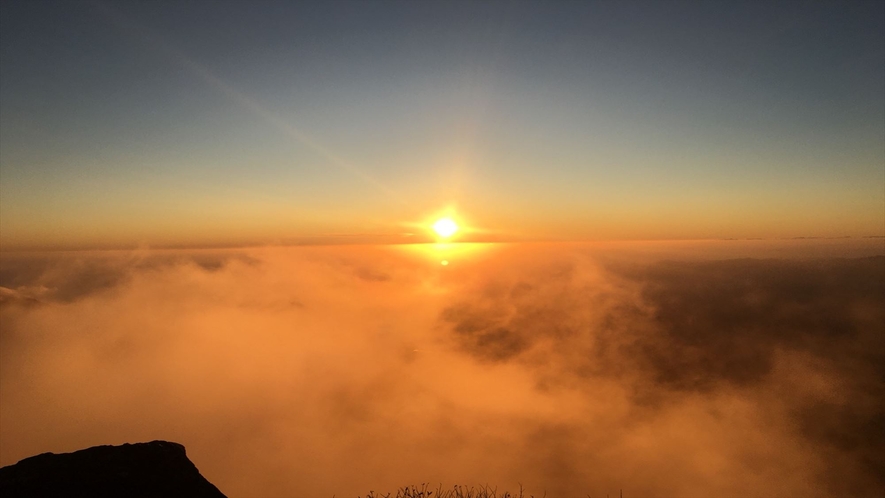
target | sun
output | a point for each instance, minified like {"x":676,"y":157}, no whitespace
{"x":445,"y":227}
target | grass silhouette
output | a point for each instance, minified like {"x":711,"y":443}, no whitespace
{"x":424,"y":491}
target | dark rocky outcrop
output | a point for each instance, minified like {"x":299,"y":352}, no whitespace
{"x":143,"y":470}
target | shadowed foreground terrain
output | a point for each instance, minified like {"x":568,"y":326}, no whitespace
{"x":158,"y":468}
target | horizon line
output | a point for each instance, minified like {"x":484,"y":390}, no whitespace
{"x":333,"y":240}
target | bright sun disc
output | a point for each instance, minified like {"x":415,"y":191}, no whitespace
{"x":445,"y":227}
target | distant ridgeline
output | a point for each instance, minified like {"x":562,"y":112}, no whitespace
{"x":142,"y":470}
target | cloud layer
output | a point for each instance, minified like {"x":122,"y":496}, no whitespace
{"x":571,"y":369}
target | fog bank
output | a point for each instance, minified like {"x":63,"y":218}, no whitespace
{"x":573,"y":369}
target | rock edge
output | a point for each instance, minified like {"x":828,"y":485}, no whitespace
{"x":141,"y":470}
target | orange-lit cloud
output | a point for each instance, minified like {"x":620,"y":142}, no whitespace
{"x":572,"y":369}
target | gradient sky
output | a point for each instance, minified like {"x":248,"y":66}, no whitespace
{"x":191,"y":123}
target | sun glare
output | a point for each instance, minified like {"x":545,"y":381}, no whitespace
{"x":445,"y":227}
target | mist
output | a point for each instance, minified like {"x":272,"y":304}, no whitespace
{"x":570,"y":369}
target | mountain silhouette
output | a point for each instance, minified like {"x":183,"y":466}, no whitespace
{"x":142,"y":470}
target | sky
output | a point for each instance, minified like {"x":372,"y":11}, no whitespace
{"x":168,"y":124}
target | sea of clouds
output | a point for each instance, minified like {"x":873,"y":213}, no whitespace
{"x":572,"y":369}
